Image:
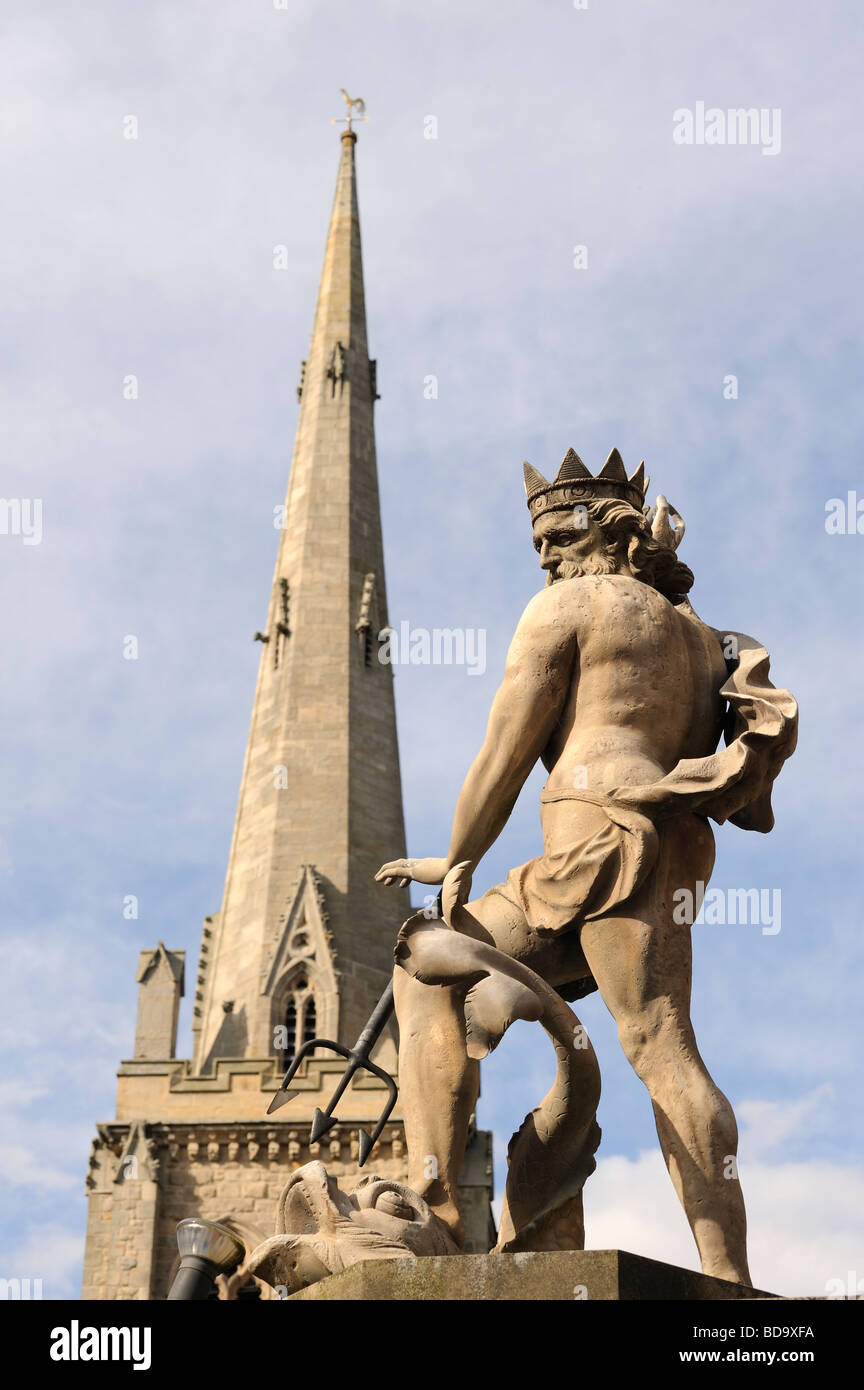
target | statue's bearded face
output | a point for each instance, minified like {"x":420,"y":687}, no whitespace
{"x":570,"y":545}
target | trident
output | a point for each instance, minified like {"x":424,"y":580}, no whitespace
{"x":357,"y":1057}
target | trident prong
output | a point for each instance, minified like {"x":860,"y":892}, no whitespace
{"x":358,"y":1058}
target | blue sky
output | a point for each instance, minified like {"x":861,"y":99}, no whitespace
{"x":155,"y":257}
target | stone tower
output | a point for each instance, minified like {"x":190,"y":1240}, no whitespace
{"x":302,"y":944}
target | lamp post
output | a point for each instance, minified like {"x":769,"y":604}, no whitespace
{"x":206,"y":1249}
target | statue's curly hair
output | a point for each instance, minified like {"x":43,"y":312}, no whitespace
{"x":627,"y":531}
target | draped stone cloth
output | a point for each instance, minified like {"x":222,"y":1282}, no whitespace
{"x":599,"y":872}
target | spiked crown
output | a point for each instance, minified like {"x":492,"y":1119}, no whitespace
{"x":574,"y":484}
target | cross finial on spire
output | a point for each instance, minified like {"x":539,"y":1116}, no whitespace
{"x":356,"y":111}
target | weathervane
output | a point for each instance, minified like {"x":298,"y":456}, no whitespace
{"x":356,"y":110}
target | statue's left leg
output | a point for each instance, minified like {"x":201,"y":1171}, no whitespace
{"x":641,"y":960}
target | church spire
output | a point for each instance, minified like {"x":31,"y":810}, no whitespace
{"x":320,"y":804}
{"x":340,"y":314}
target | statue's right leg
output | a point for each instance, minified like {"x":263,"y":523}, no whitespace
{"x":438,"y":1087}
{"x":641,"y":960}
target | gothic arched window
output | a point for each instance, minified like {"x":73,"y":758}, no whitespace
{"x":290,"y":1029}
{"x":300,"y":1018}
{"x":309,"y":1020}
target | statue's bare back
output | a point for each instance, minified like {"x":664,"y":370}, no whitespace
{"x":625,"y":636}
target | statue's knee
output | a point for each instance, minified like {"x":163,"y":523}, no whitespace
{"x":646,"y":1041}
{"x":426,"y":1012}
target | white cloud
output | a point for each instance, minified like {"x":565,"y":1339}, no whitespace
{"x":805,"y":1220}
{"x":765,"y":1125}
{"x":23,"y":1167}
{"x":51,"y":1252}
{"x":805,"y":1217}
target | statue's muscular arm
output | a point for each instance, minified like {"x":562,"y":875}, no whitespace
{"x":525,"y":711}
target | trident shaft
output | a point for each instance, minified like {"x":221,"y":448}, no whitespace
{"x":358,"y":1058}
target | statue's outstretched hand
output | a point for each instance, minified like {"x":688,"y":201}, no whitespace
{"x":420,"y":870}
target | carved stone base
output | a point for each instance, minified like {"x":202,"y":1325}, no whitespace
{"x":561,"y":1276}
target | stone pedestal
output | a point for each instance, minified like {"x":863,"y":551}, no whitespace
{"x":557,"y":1276}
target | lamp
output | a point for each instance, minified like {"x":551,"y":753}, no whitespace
{"x":206,"y":1249}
